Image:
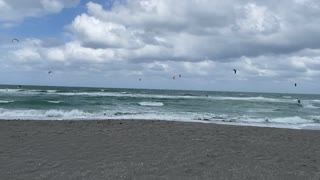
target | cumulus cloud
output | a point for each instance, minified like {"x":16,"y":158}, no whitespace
{"x":99,"y":34}
{"x":255,"y":19}
{"x":194,"y":29}
{"x":264,"y":40}
{"x":13,"y":11}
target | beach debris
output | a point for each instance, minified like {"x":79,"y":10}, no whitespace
{"x":179,"y":75}
{"x":139,"y":79}
{"x":235,"y":71}
{"x":173,"y":77}
{"x":15,"y":40}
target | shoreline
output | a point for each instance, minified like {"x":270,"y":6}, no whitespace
{"x":312,"y":127}
{"x":153,"y":149}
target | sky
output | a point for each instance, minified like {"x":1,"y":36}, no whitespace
{"x":113,"y":43}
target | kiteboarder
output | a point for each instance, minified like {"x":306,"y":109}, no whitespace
{"x":15,"y":39}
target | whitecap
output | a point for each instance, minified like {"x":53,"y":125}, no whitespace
{"x":51,"y":114}
{"x":75,"y":113}
{"x":289,"y":120}
{"x":254,"y":99}
{"x":9,"y":90}
{"x":55,"y":102}
{"x":287,"y":97}
{"x":5,"y":102}
{"x":51,"y":91}
{"x":310,"y":104}
{"x":315,"y":101}
{"x":150,"y":103}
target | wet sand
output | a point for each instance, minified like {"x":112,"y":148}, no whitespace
{"x":128,"y":149}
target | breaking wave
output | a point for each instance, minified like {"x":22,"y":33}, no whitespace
{"x":5,"y":102}
{"x":150,"y":103}
{"x":55,"y":102}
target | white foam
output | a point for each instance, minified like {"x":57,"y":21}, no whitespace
{"x":5,"y":102}
{"x":157,"y":96}
{"x":260,"y":110}
{"x":315,"y":101}
{"x":294,"y":122}
{"x":308,"y":104}
{"x":19,"y":91}
{"x":51,"y":91}
{"x":55,"y":102}
{"x":315,"y":118}
{"x":9,"y":90}
{"x":254,"y":99}
{"x":67,"y":114}
{"x":138,"y":95}
{"x":45,"y":114}
{"x":288,"y":97}
{"x":289,"y":120}
{"x":150,"y":103}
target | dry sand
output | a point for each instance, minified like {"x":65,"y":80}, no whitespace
{"x":93,"y":150}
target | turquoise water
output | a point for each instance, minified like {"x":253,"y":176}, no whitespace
{"x":239,"y":108}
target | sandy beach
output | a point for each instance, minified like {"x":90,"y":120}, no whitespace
{"x":132,"y":149}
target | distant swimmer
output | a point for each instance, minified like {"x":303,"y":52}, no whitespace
{"x":50,"y":72}
{"x":139,"y":79}
{"x":299,"y":101}
{"x":173,"y":77}
{"x":207,"y":95}
{"x":235,"y":71}
{"x":179,"y":75}
{"x":19,"y":86}
{"x":15,"y":40}
{"x":295,"y":84}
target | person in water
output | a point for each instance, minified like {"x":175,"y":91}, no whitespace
{"x":299,"y":101}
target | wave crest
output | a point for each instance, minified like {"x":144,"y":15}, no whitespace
{"x":55,"y":102}
{"x":5,"y":102}
{"x":150,"y":103}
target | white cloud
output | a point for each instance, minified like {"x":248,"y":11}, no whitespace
{"x":200,"y":39}
{"x":13,"y":11}
{"x":257,"y":19}
{"x":52,"y":6}
{"x":98,"y":34}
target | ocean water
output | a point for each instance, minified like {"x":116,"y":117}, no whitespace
{"x":236,"y":108}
